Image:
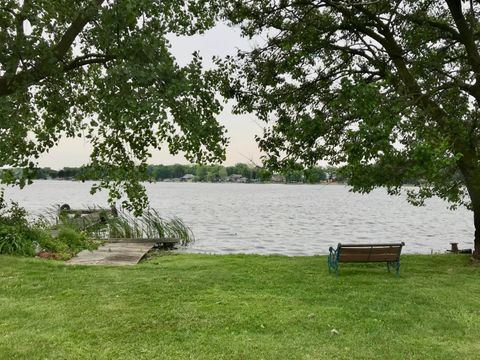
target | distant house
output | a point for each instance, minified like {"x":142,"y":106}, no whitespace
{"x":237,"y":178}
{"x":187,"y":178}
{"x":277,"y":178}
{"x":330,"y":177}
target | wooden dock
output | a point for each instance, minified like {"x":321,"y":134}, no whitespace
{"x":118,"y":252}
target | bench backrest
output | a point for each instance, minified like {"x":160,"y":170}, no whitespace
{"x":369,"y":252}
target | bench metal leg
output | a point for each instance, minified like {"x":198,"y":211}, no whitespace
{"x":329,"y":265}
{"x":336,"y":267}
{"x":333,"y":265}
{"x":395,"y":265}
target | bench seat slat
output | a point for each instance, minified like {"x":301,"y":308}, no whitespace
{"x":372,"y":258}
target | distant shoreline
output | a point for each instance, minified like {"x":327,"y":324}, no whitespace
{"x":207,"y":182}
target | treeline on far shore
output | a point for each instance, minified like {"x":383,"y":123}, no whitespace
{"x":240,"y":173}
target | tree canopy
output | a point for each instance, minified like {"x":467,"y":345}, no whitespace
{"x":388,"y":89}
{"x":103,"y":70}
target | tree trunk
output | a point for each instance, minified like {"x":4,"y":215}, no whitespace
{"x":476,"y":221}
{"x":471,"y":173}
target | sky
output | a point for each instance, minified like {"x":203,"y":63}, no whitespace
{"x":221,"y":41}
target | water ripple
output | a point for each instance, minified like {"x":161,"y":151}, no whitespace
{"x":279,"y":219}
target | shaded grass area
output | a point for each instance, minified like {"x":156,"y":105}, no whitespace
{"x":240,"y":307}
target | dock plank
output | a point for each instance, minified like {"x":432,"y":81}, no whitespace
{"x":116,"y":253}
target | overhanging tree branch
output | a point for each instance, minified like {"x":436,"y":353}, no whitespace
{"x":88,"y":59}
{"x":426,"y":20}
{"x":11,"y":83}
{"x":66,"y":41}
{"x":466,"y":38}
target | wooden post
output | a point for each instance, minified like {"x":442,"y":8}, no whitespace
{"x":454,"y":248}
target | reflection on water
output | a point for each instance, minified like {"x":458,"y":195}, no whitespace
{"x":279,"y":219}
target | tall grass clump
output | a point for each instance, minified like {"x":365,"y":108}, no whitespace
{"x":122,"y":225}
{"x":149,"y":226}
{"x":125,"y":226}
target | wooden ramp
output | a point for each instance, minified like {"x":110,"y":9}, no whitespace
{"x":113,"y":253}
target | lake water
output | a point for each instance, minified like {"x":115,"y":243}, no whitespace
{"x":279,"y":219}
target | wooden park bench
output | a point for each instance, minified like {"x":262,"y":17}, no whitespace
{"x":365,"y":253}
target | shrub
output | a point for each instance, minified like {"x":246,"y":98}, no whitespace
{"x":13,"y":228}
{"x":13,"y":215}
{"x":14,"y":242}
{"x":46,"y":241}
{"x":75,"y":240}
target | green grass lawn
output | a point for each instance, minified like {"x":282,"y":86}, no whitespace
{"x":240,"y":307}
